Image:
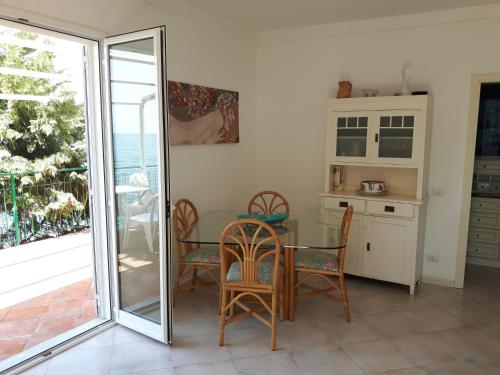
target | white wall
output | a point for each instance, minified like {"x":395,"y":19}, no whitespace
{"x":298,"y":70}
{"x":201,"y":49}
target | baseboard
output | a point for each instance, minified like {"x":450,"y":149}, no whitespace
{"x":438,"y":281}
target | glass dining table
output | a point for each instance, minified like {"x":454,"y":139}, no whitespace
{"x":301,"y":231}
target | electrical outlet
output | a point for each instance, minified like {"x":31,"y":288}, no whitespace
{"x":432,"y":258}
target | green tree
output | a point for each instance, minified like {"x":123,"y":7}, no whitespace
{"x":37,"y":135}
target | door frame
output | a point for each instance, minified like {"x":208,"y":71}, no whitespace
{"x":123,"y":317}
{"x":96,"y":185}
{"x":470,"y":147}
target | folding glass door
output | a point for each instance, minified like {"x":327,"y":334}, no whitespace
{"x":138,"y":179}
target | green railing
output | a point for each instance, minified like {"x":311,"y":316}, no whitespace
{"x":35,"y":205}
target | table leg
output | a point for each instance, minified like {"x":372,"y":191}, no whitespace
{"x":291,"y":284}
{"x":287,"y":283}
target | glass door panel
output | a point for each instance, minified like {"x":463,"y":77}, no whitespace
{"x":138,"y":170}
{"x":396,"y":136}
{"x":352,"y":133}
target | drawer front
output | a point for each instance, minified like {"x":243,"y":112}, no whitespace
{"x":480,"y":204}
{"x":336,"y":203}
{"x":390,"y":209}
{"x":484,"y":235}
{"x":484,"y":220}
{"x":482,"y":251}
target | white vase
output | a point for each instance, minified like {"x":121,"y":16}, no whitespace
{"x":406,"y":77}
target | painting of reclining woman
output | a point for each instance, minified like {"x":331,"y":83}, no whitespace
{"x":202,"y":115}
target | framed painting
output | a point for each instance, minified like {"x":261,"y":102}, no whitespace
{"x":202,"y":115}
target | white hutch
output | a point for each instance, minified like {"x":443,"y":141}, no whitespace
{"x":380,"y":138}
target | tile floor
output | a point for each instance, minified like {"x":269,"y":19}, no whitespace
{"x":438,"y":331}
{"x":30,"y":322}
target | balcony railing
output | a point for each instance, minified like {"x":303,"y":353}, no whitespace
{"x":34,"y":206}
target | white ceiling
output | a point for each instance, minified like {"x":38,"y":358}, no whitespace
{"x":262,"y":15}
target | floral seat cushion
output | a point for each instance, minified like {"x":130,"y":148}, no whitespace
{"x":264,"y":273}
{"x":204,"y":255}
{"x":316,"y":259}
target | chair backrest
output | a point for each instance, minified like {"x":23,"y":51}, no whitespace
{"x":138,"y":179}
{"x":344,"y":232}
{"x":241,"y":241}
{"x":153,"y":205}
{"x":268,"y":202}
{"x":185,"y":217}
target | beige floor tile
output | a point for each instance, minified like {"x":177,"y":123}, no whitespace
{"x":459,"y":367}
{"x":472,"y":313}
{"x":319,"y":361}
{"x":358,"y":329}
{"x":124,"y":335}
{"x":216,"y":368}
{"x":319,"y":308}
{"x":434,"y":319}
{"x":471,"y":342}
{"x":249,"y":342}
{"x":198,"y":349}
{"x":394,"y":323}
{"x":163,"y":371}
{"x":304,"y":335}
{"x":407,"y":371}
{"x":492,"y":330}
{"x":270,"y":364}
{"x":105,"y":338}
{"x":95,"y":361}
{"x":140,"y":356}
{"x":373,"y":304}
{"x":425,"y":349}
{"x":377,"y":356}
{"x":196,"y":323}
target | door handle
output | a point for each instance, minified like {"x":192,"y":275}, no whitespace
{"x":343,"y":204}
{"x":368,"y":247}
{"x":376,"y":137}
{"x":389,"y":208}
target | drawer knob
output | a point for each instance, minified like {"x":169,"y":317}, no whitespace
{"x":477,"y":234}
{"x":476,"y":250}
{"x":478,"y":220}
{"x":480,"y":205}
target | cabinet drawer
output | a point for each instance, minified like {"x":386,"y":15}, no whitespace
{"x":390,"y":209}
{"x":484,"y":219}
{"x":485,"y":204}
{"x":336,"y":203}
{"x":482,"y":251}
{"x":484,"y":235}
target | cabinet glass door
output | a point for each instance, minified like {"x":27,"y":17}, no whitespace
{"x":351,"y":134}
{"x":396,"y":135}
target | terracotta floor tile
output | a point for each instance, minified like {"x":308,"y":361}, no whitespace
{"x":25,"y":312}
{"x":11,"y":346}
{"x":37,"y":338}
{"x":66,"y":308}
{"x":3,"y":312}
{"x":56,"y":325}
{"x":18,"y":328}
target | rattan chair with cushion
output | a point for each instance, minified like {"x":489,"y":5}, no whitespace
{"x":250,"y":272}
{"x":192,"y":258}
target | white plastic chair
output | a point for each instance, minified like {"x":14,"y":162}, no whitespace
{"x":149,"y":222}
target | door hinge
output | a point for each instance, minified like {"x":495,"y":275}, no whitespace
{"x":168,"y":209}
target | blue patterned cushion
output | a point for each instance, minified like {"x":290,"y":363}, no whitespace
{"x":316,"y":259}
{"x":204,"y":255}
{"x":265,"y":272}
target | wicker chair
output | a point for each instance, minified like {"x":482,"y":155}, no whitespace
{"x":268,"y":202}
{"x":250,"y":274}
{"x":323,"y":264}
{"x":192,"y":258}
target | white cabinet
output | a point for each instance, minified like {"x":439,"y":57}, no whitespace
{"x":386,"y":246}
{"x":381,"y":132}
{"x":383,"y":138}
{"x":378,"y":247}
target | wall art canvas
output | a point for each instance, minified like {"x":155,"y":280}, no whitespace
{"x":202,"y":115}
